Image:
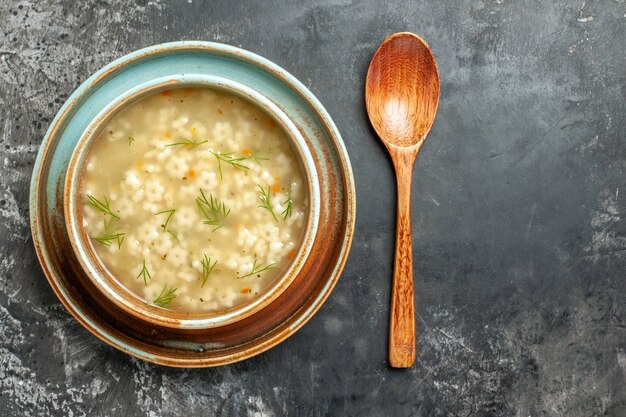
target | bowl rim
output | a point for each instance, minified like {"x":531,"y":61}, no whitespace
{"x":105,"y":281}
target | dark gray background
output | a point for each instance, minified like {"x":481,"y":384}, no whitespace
{"x":518,"y":198}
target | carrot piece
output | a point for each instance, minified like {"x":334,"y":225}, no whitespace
{"x":191,"y":173}
{"x":276,"y":188}
{"x":165,"y":92}
{"x":168,"y":135}
{"x":246,"y":151}
{"x":246,"y":290}
{"x":291,"y":253}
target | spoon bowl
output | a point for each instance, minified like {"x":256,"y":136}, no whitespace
{"x":402,"y":96}
{"x":402,"y":90}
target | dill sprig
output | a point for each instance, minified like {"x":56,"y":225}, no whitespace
{"x":214,"y":211}
{"x":207,"y":268}
{"x":145,"y":274}
{"x":130,"y":140}
{"x":288,"y":206}
{"x":107,"y":240}
{"x":256,"y":157}
{"x":103,"y":207}
{"x":167,"y":220}
{"x":258,"y":268}
{"x":186,"y":142}
{"x":230,"y":159}
{"x":264,"y":196}
{"x":165,"y":297}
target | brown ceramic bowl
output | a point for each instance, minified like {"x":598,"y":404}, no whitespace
{"x":156,"y":337}
{"x":103,"y":279}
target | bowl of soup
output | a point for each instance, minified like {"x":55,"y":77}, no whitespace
{"x":191,"y":201}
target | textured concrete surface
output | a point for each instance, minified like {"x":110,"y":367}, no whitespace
{"x":519,"y":193}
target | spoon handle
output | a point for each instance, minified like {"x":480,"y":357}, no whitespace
{"x":402,"y":320}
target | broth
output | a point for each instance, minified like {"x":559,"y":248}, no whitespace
{"x":194,"y":199}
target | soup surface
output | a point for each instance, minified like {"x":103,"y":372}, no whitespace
{"x":194,"y":199}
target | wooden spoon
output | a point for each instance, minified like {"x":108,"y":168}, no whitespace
{"x":402,"y":95}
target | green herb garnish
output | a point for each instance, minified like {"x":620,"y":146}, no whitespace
{"x":107,"y":240}
{"x":103,"y":207}
{"x":165,"y":297}
{"x":287,"y":211}
{"x":266,"y":204}
{"x":207,"y":268}
{"x":214,"y":212}
{"x":130,"y":140}
{"x":167,"y":220}
{"x":186,"y":142}
{"x":257,"y":269}
{"x":145,"y":274}
{"x":229,"y":158}
{"x":256,"y":157}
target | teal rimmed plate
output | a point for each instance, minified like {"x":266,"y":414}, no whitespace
{"x":185,"y":347}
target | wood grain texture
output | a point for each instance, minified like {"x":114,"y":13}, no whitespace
{"x":402,"y":316}
{"x":404,"y":82}
{"x":402,"y":96}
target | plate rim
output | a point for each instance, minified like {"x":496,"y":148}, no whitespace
{"x":348,"y":191}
